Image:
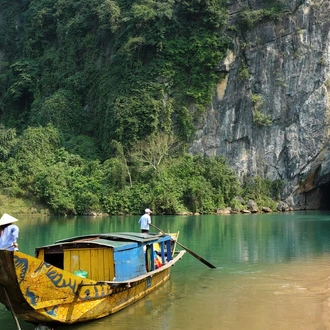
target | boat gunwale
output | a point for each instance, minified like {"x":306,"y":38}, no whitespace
{"x":165,"y":266}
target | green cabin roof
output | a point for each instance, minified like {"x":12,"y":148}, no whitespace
{"x":116,"y":240}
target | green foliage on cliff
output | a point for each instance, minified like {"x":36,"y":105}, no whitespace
{"x":111,"y":69}
{"x":273,"y":9}
{"x":99,"y":97}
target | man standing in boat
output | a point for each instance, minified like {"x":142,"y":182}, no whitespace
{"x":144,"y":221}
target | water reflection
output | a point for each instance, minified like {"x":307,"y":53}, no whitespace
{"x":273,"y":271}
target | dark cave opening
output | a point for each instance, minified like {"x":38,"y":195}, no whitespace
{"x":325,"y":196}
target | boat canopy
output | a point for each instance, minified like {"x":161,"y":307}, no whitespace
{"x":114,"y":240}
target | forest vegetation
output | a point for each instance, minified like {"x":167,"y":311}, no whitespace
{"x":99,"y":100}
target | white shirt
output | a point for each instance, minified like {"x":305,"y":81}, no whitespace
{"x":144,"y":221}
{"x":9,"y":237}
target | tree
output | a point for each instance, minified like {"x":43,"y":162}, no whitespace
{"x":151,"y":152}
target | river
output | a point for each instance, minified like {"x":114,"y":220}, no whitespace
{"x":273,"y":271}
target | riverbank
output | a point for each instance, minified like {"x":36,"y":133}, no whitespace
{"x":18,"y":206}
{"x":24,"y":206}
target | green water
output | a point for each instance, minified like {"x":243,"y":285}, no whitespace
{"x":272,"y":271}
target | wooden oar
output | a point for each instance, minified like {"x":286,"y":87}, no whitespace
{"x":11,"y":308}
{"x":188,"y":250}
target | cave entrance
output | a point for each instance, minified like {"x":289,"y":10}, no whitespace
{"x":325,"y":196}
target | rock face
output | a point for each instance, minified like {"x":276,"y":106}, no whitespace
{"x":270,"y":115}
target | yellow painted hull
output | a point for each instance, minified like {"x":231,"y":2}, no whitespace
{"x":41,"y":293}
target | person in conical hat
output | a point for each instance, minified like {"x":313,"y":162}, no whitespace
{"x":8,"y":233}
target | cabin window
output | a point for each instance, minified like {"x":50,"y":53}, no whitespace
{"x":55,"y":259}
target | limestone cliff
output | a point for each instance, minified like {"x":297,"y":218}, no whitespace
{"x":270,"y":115}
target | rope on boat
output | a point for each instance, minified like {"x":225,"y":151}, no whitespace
{"x":11,"y":308}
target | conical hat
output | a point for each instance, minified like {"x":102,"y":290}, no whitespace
{"x":6,"y":218}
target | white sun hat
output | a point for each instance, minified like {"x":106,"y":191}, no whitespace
{"x":147,"y":211}
{"x":6,"y":219}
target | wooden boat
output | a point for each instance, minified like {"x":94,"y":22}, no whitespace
{"x":84,"y":278}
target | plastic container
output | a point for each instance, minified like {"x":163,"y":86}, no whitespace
{"x":81,"y":273}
